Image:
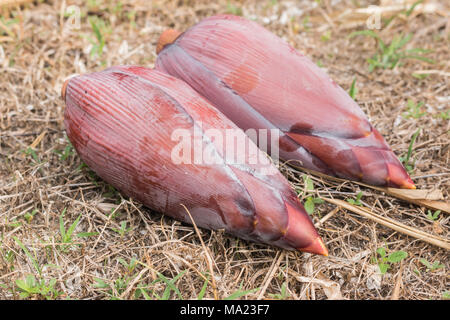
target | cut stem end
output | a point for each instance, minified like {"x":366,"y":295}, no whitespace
{"x":167,"y":37}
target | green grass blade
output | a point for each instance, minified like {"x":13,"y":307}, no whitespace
{"x":239,"y":294}
{"x":368,"y":33}
{"x":203,"y":290}
{"x":413,"y":139}
{"x":171,"y":285}
{"x":414,"y":5}
{"x":72,"y":227}
{"x":353,"y":90}
{"x":402,"y":41}
{"x":87,"y":234}
{"x":425,"y":59}
{"x":33,"y":260}
{"x":145,"y":294}
{"x":96,"y":30}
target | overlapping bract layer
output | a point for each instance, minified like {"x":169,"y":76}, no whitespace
{"x":121,"y":122}
{"x":259,"y":81}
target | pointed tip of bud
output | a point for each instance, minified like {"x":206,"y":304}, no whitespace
{"x":167,"y":37}
{"x":317,"y":247}
{"x":399,"y":178}
{"x":301,"y":233}
{"x":408,"y":184}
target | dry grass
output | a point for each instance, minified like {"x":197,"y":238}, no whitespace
{"x":37,"y":53}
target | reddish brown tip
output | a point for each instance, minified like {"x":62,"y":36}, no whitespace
{"x":317,"y":247}
{"x":409,"y":184}
{"x":167,"y":37}
{"x":399,"y":178}
{"x":301,"y":233}
{"x":63,"y":89}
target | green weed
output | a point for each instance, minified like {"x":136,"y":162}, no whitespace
{"x":390,"y":55}
{"x":28,"y":254}
{"x":29,"y":151}
{"x":113,"y":291}
{"x":326,"y":36}
{"x":385,"y":261}
{"x":283,"y":295}
{"x":433,"y":216}
{"x":431,"y":267}
{"x":357,"y":201}
{"x":123,"y":228}
{"x":414,"y":110}
{"x":99,"y":28}
{"x":240,"y":293}
{"x":130,"y":266}
{"x":170,"y":286}
{"x":66,"y":235}
{"x":235,"y":10}
{"x":29,"y":216}
{"x":66,"y":153}
{"x":310,"y":201}
{"x":31,"y":287}
{"x":444,"y":115}
{"x":167,"y":294}
{"x":353,"y":90}
{"x":203,"y":290}
{"x":406,"y":160}
{"x":420,"y":76}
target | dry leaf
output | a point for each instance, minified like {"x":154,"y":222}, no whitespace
{"x":435,"y":205}
{"x":416,"y":193}
{"x":426,"y":198}
{"x":332,"y":289}
{"x":393,"y":224}
{"x":106,"y":207}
